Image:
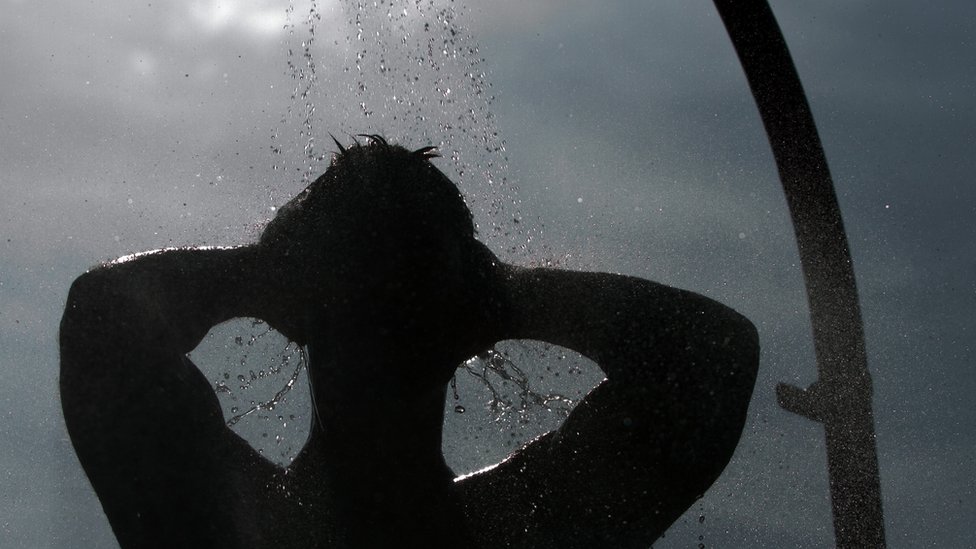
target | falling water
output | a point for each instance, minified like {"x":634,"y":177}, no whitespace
{"x":257,"y":375}
{"x":410,"y":71}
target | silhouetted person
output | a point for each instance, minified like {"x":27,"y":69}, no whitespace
{"x":376,"y":270}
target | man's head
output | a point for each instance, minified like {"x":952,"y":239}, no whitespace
{"x":377,"y":194}
{"x":380,"y":221}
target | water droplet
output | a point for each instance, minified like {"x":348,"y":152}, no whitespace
{"x":459,"y":409}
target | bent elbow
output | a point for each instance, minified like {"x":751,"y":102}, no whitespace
{"x":736,"y":367}
{"x":729,"y":382}
{"x":744,"y":347}
{"x":86,"y":302}
{"x":78,"y":341}
{"x":736,"y":360}
{"x":88,"y":319}
{"x":726,"y":360}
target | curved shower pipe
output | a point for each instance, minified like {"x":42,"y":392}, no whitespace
{"x":841,"y":398}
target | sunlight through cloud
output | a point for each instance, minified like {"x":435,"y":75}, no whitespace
{"x":255,"y":18}
{"x":142,"y":63}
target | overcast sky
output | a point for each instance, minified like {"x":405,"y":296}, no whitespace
{"x":620,"y":134}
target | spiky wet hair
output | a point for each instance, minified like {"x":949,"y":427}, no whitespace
{"x":372,"y":188}
{"x":427,"y":152}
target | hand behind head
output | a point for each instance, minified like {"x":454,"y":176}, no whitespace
{"x":384,"y":242}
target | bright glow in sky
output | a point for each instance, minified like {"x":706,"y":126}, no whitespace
{"x":263,"y":19}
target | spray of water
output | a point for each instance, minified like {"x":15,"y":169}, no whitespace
{"x":286,"y":356}
{"x":494,"y":370}
{"x":255,"y":372}
{"x":409,"y":70}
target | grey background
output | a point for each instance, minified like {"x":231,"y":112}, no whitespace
{"x":621,"y":135}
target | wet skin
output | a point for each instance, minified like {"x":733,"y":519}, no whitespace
{"x":386,"y":320}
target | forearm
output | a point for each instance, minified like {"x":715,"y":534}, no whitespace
{"x":629,"y":326}
{"x":167,"y":298}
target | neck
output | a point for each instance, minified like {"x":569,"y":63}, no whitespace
{"x":397,"y":432}
{"x":377,"y":458}
{"x":377,"y":428}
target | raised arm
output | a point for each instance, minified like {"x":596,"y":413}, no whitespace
{"x":633,"y":328}
{"x":647,"y":442}
{"x":167,"y":299}
{"x":145,"y":423}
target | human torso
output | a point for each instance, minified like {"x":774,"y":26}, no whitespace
{"x":316,"y":507}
